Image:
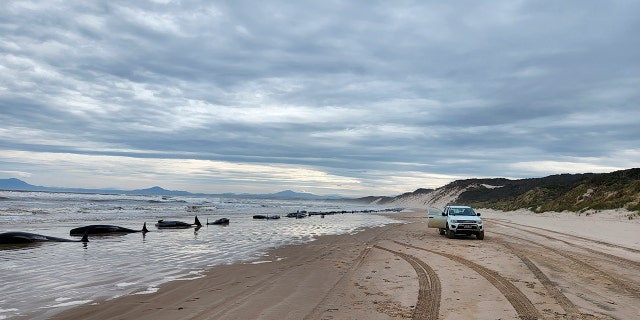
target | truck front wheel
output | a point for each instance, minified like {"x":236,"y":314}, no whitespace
{"x":480,"y":235}
{"x":450,"y":233}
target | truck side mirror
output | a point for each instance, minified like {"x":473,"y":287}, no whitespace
{"x":478,"y":213}
{"x":444,"y":214}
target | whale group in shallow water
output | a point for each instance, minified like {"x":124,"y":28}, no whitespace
{"x":19,"y":237}
{"x":16,"y":237}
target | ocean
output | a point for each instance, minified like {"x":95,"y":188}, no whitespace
{"x":40,"y":280}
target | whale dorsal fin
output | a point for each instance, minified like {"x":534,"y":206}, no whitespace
{"x":144,"y":228}
{"x":85,"y":236}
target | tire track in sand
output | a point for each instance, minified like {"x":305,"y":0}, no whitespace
{"x":614,"y":258}
{"x":511,"y":224}
{"x":429,"y":292}
{"x":564,"y":302}
{"x":523,"y":306}
{"x":629,"y":287}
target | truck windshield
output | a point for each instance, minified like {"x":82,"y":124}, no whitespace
{"x":461,"y":212}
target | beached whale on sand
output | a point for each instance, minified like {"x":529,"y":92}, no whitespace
{"x":221,"y":221}
{"x":162,"y":224}
{"x":17,"y":237}
{"x":104,"y":229}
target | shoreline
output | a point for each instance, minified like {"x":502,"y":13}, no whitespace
{"x":380,"y":273}
{"x":43,"y":279}
{"x":334,"y":255}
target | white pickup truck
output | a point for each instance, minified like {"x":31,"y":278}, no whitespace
{"x":455,"y":220}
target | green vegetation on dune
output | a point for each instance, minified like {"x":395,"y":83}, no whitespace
{"x":563,"y":192}
{"x":571,"y":192}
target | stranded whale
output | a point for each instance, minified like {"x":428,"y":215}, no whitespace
{"x":162,"y":224}
{"x":221,"y":221}
{"x":266,"y":217}
{"x":17,"y":237}
{"x":105,"y":229}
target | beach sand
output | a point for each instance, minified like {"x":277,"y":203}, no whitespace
{"x":547,"y":266}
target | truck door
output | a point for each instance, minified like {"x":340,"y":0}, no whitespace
{"x":436,"y":217}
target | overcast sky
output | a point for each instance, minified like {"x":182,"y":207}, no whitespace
{"x":329,"y":97}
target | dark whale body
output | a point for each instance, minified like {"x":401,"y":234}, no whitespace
{"x":266,"y":217}
{"x":162,"y":224}
{"x":221,"y":221}
{"x":104,"y":229}
{"x":17,"y":237}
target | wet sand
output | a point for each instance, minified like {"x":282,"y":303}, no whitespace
{"x":525,"y":268}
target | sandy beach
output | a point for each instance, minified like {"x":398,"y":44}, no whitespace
{"x":529,"y":266}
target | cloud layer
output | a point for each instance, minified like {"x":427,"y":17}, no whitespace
{"x":355,"y":98}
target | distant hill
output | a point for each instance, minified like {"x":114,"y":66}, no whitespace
{"x":571,"y":192}
{"x":19,"y":185}
{"x":289,"y":194}
{"x":158,"y":191}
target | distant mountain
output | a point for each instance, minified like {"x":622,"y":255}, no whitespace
{"x":570,"y":192}
{"x":159,"y":191}
{"x":19,"y":185}
{"x":289,"y":194}
{"x":286,"y":194}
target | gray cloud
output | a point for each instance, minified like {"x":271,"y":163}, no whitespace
{"x":359,"y":96}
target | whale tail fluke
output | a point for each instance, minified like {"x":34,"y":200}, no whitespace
{"x":85,"y":236}
{"x":144,"y":228}
{"x":197,"y":222}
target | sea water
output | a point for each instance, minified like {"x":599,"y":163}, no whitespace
{"x":42,"y":279}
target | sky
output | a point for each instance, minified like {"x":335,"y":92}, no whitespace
{"x":353,"y":98}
